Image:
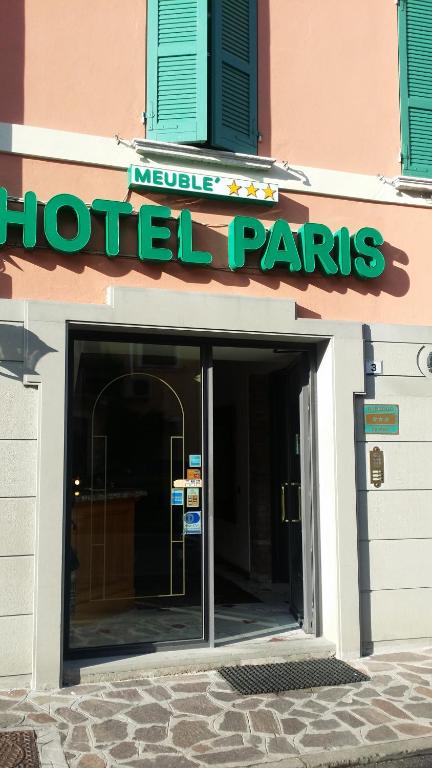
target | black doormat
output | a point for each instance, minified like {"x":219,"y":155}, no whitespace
{"x":252,"y":679}
{"x":18,"y":750}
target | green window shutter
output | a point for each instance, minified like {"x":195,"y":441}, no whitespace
{"x":234,"y":75}
{"x":177,"y":70}
{"x":415,"y":62}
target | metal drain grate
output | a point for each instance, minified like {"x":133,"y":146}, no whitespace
{"x":18,"y":750}
{"x":251,"y":679}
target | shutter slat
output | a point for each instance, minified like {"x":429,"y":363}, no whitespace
{"x":234,"y":75}
{"x":420,"y":53}
{"x":177,"y":70}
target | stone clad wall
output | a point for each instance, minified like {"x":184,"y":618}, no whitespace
{"x":395,"y":520}
{"x":18,"y":488}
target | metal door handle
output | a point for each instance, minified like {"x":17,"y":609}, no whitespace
{"x":283,"y":507}
{"x":299,"y":518}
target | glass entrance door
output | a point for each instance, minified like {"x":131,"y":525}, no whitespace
{"x":152,"y":561}
{"x":136,"y":523}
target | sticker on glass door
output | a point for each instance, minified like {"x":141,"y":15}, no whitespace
{"x":192,"y":522}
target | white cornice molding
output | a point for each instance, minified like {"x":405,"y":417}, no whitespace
{"x":114,"y":152}
{"x":355,"y":186}
{"x":149,"y":149}
{"x":67,"y":146}
{"x":414,"y":184}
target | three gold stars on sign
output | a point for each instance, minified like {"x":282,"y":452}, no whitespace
{"x":234,"y":188}
{"x":268,"y":193}
{"x":251,"y":190}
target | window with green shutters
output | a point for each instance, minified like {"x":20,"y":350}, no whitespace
{"x":415,"y":62}
{"x":202,"y":73}
{"x":234,"y":83}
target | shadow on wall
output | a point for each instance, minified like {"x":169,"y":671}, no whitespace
{"x":362,"y":484}
{"x":395,"y":280}
{"x":264,"y":96}
{"x":366,"y":640}
{"x":18,"y":345}
{"x":11,"y":105}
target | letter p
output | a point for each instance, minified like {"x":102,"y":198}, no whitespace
{"x":244,"y":234}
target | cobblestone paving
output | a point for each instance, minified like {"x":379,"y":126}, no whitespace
{"x":197,"y":720}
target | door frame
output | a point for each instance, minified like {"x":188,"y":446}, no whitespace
{"x":309,"y":501}
{"x":43,"y":327}
{"x":206,"y":344}
{"x":308,"y":498}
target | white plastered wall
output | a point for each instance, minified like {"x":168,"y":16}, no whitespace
{"x":327,"y":491}
{"x":339,"y":377}
{"x":18,"y":479}
{"x":395,"y":520}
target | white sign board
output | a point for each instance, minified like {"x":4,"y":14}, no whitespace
{"x":217,"y":185}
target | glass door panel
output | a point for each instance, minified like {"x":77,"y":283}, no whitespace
{"x":136,"y":530}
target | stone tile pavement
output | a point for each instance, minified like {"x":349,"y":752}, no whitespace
{"x":193,"y":720}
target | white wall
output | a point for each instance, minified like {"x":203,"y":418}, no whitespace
{"x":18,"y":463}
{"x":327,"y":493}
{"x":45,"y":352}
{"x":395,"y":520}
{"x":339,"y":379}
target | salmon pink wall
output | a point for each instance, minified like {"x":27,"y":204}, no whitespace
{"x":402,"y":294}
{"x":329,"y":83}
{"x":328,"y":75}
{"x":75,"y":66}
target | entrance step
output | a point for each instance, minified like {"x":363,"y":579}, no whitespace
{"x":195,"y":660}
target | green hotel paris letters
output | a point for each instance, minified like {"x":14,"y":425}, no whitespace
{"x":314,"y":248}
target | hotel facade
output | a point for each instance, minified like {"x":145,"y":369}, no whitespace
{"x":215,"y":329}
